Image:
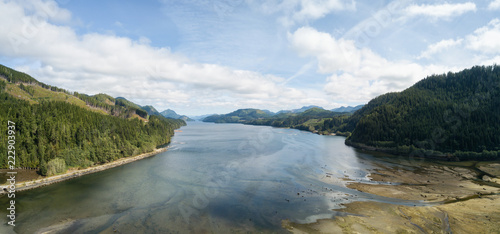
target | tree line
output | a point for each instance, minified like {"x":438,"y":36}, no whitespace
{"x":53,"y":134}
{"x":314,"y":120}
{"x":453,"y":115}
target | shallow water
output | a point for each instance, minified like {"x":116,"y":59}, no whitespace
{"x":221,"y":178}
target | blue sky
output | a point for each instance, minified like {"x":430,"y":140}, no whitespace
{"x":215,"y":56}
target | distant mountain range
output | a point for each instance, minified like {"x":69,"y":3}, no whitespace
{"x":166,"y":113}
{"x":310,"y":118}
{"x":300,"y":110}
{"x":239,"y":116}
{"x":246,"y":115}
{"x":200,"y":117}
{"x":173,"y":115}
{"x":348,"y":108}
{"x":453,"y":116}
{"x":151,"y":110}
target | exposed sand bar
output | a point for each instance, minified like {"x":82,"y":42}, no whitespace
{"x":73,"y":173}
{"x":470,"y":203}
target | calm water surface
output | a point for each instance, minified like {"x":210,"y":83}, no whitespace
{"x":216,"y":178}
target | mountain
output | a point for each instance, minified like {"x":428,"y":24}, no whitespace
{"x":268,"y":112}
{"x":316,"y":112}
{"x":170,"y":114}
{"x":201,"y":117}
{"x":238,"y":116}
{"x":173,"y":115}
{"x":300,"y":110}
{"x":453,"y":116}
{"x":55,"y":128}
{"x":23,"y":86}
{"x":125,"y":102}
{"x":311,"y":118}
{"x":151,"y":110}
{"x":246,"y":115}
{"x":314,"y":119}
{"x":347,"y":108}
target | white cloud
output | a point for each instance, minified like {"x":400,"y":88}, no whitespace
{"x":440,"y":47}
{"x":301,"y":11}
{"x":118,"y":24}
{"x":481,"y":47}
{"x":94,"y":63}
{"x":318,"y":9}
{"x":441,"y":11}
{"x":38,"y":36}
{"x":357,"y":75}
{"x":494,"y":5}
{"x":379,"y":76}
{"x":332,"y":54}
{"x":486,"y":39}
{"x":46,"y":10}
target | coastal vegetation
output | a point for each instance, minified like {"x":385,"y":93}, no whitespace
{"x":311,"y":118}
{"x":315,"y":120}
{"x":56,"y":129}
{"x":239,"y":116}
{"x":173,"y":115}
{"x":453,"y":116}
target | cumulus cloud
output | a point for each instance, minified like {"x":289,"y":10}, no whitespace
{"x":379,"y":76}
{"x":356,"y":74}
{"x":332,"y":54}
{"x":38,"y":39}
{"x":486,"y":39}
{"x":440,"y":47}
{"x":94,"y":63}
{"x":494,"y":5}
{"x":479,"y":47}
{"x":359,"y":74}
{"x":439,"y":11}
{"x":318,"y":9}
{"x":300,"y":11}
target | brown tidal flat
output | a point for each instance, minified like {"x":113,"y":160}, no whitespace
{"x":468,"y":202}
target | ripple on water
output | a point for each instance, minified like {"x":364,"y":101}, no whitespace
{"x":218,"y":178}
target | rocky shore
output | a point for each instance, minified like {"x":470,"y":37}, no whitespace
{"x":468,"y":198}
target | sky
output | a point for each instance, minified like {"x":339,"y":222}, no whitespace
{"x":215,"y":56}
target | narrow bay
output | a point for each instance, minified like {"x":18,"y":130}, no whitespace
{"x":221,"y":178}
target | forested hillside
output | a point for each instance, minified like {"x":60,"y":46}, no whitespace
{"x":314,"y":120}
{"x":351,"y":109}
{"x":454,"y":115}
{"x":239,"y":116}
{"x":150,"y":110}
{"x":173,"y":115}
{"x":82,"y":130}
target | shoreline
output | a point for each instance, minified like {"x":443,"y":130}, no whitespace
{"x":466,"y":203}
{"x":423,"y":153}
{"x":394,"y":151}
{"x":70,"y":174}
